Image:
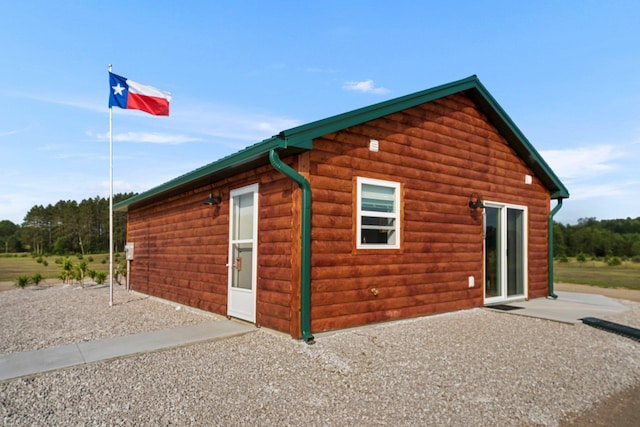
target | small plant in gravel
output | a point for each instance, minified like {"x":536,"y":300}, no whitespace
{"x":22,"y":281}
{"x":101,"y":277}
{"x":119,"y":273}
{"x":36,"y":278}
{"x":80,"y":271}
{"x":67,"y":270}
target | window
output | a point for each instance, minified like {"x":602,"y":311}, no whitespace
{"x":378,"y":214}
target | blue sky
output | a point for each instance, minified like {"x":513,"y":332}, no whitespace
{"x":567,"y":73}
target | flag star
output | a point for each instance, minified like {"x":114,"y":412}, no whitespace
{"x":117,"y":89}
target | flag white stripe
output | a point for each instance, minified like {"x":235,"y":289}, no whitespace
{"x":141,"y":89}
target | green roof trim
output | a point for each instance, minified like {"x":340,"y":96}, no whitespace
{"x":301,"y":138}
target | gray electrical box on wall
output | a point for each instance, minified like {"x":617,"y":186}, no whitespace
{"x":128,"y":251}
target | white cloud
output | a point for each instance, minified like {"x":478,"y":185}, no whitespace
{"x":366,"y":86}
{"x":582,"y":162}
{"x":225,"y":122}
{"x":11,"y":132}
{"x":146,"y":137}
{"x":81,"y":103}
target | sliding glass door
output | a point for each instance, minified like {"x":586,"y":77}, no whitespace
{"x":505,"y":252}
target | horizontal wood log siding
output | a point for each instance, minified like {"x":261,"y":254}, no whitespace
{"x":440,"y":152}
{"x":181,"y":249}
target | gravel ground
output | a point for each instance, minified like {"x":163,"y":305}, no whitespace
{"x":473,"y":367}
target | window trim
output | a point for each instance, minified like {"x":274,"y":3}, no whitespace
{"x":360,"y":213}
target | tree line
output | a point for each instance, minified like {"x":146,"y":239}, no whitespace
{"x":66,"y":227}
{"x":598,"y":238}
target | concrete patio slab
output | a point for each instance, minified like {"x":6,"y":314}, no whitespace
{"x":569,"y":307}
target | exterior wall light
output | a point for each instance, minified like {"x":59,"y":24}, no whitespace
{"x":475,"y":201}
{"x":213,"y":200}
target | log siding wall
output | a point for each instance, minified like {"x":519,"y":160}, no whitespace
{"x":440,"y":153}
{"x":181,"y":248}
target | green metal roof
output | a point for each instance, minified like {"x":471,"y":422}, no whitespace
{"x":300,"y":138}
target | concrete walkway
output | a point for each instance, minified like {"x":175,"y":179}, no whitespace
{"x":569,"y":307}
{"x":50,"y":359}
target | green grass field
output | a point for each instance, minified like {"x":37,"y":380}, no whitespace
{"x":13,"y":266}
{"x":598,"y":273}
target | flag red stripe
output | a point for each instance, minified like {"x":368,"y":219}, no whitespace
{"x":149,"y":104}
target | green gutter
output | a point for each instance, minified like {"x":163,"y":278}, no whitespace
{"x":305,"y":252}
{"x":551,"y":215}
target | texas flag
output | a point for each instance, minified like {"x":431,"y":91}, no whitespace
{"x":132,"y":95}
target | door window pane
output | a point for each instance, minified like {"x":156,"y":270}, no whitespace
{"x":242,"y":265}
{"x":492,"y":286}
{"x":515,"y":252}
{"x":243,"y":217}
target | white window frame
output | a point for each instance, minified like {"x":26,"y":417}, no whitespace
{"x":393,"y":215}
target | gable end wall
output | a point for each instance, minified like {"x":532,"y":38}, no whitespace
{"x":440,"y":152}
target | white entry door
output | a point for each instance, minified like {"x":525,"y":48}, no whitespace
{"x":243,"y":226}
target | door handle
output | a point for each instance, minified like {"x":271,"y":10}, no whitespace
{"x":238,"y":263}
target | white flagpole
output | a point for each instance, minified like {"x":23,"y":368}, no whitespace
{"x":110,"y":204}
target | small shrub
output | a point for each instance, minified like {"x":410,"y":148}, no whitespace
{"x":581,"y":257}
{"x":45,"y":263}
{"x":104,"y":261}
{"x":36,"y":278}
{"x":636,"y":259}
{"x":90,"y":259}
{"x":614,"y":261}
{"x":563,"y":258}
{"x":39,"y":260}
{"x":67,"y":270}
{"x":80,"y":271}
{"x":91,"y":274}
{"x":101,"y":277}
{"x":22,"y":281}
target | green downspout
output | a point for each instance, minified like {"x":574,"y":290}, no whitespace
{"x":305,"y":252}
{"x":551,"y":214}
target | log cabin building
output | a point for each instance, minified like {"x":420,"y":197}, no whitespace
{"x":422,"y":204}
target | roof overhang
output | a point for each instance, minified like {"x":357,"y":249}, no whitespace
{"x":247,"y":159}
